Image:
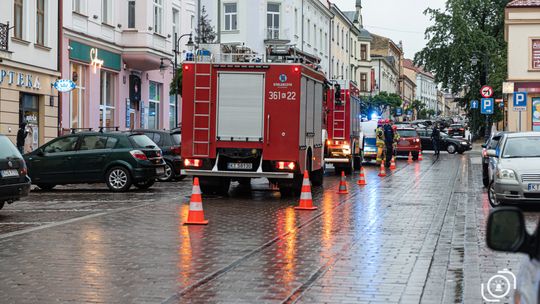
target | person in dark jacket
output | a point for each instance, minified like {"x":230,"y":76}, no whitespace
{"x":436,"y":139}
{"x":21,"y":137}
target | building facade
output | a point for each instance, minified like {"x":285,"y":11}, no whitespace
{"x":426,"y":90}
{"x":387,"y":63}
{"x":255,"y":25}
{"x":119,"y":54}
{"x":522,"y":32}
{"x":28,"y":68}
{"x":360,"y":56}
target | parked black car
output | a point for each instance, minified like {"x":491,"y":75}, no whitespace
{"x":491,"y":144}
{"x":450,"y":144}
{"x":456,"y":130}
{"x":118,"y":159}
{"x":170,"y":143}
{"x":14,"y":181}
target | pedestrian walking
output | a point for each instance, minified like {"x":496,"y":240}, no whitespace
{"x":21,"y":137}
{"x":436,"y":139}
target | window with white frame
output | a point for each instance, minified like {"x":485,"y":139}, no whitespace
{"x":320,"y":40}
{"x":79,"y":6}
{"x":18,"y":17}
{"x":192,"y":23}
{"x":40,"y":22}
{"x":154,"y":99}
{"x":106,"y":11}
{"x":131,"y":14}
{"x":308,"y":27}
{"x":326,"y":43}
{"x":314,"y":35}
{"x":76,"y":96}
{"x":175,"y":21}
{"x":272,"y":20}
{"x":158,"y":16}
{"x":107,"y":106}
{"x":231,"y":16}
{"x":296,"y":22}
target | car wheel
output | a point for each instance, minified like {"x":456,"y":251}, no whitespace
{"x":218,"y":186}
{"x":46,"y":187}
{"x":118,"y":179}
{"x":317,"y":177}
{"x":144,"y":185}
{"x":452,"y":149}
{"x":493,"y":201}
{"x":181,"y":177}
{"x":169,"y":174}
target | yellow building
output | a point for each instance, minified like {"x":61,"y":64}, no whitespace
{"x":522,"y":32}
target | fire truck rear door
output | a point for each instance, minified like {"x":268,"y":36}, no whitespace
{"x":240,"y":114}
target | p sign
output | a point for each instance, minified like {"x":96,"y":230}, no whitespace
{"x":488,"y":105}
{"x":520,"y":100}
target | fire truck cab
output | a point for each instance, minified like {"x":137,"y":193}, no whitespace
{"x":252,"y":120}
{"x":343,"y":147}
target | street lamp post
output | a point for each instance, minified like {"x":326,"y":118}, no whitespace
{"x":190,"y":46}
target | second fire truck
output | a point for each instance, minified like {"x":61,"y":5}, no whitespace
{"x":343,"y":146}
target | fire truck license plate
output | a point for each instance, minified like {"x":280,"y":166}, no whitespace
{"x":239,"y":166}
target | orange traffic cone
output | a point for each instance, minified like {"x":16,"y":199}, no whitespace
{"x":362,"y":180}
{"x":420,"y":156}
{"x":410,"y":158}
{"x":393,"y":163}
{"x":196,"y":213}
{"x":382,"y":173}
{"x":306,"y":202}
{"x":342,"y":184}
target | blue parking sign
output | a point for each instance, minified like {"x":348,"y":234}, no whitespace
{"x":520,"y":99}
{"x":488,"y":105}
{"x":474,"y":104}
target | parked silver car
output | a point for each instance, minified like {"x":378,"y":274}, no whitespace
{"x":514,"y":169}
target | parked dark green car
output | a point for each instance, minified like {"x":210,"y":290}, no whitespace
{"x":118,"y":159}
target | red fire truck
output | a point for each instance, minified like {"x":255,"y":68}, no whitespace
{"x":252,"y":120}
{"x":343,"y":145}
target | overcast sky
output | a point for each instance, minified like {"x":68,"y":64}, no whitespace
{"x":396,"y":19}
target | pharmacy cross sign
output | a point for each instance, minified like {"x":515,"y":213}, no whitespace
{"x":486,"y":91}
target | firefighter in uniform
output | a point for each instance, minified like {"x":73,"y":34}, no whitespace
{"x":396,"y":138}
{"x":388,"y":141}
{"x":379,"y":132}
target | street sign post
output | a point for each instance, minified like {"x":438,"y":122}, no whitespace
{"x":520,"y":105}
{"x":488,"y":106}
{"x":486,"y":91}
{"x":474,"y":104}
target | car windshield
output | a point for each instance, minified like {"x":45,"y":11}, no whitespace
{"x":143,"y":141}
{"x":177,"y":139}
{"x":407,"y":133}
{"x":518,"y":147}
{"x":7,"y":149}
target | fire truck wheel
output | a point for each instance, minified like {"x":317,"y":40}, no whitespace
{"x":291,"y":188}
{"x":357,"y":162}
{"x":317,"y":177}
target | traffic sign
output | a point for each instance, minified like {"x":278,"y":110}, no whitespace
{"x":474,"y":104}
{"x":486,"y":91}
{"x":399,"y":111}
{"x":520,"y":101}
{"x":487,"y":106}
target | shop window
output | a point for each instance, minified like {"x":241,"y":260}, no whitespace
{"x":153,"y":105}
{"x":107,"y":106}
{"x":76,"y":96}
{"x":172,"y":112}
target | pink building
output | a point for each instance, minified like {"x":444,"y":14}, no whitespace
{"x":113,"y":51}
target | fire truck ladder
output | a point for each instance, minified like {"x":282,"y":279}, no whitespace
{"x":202,"y":109}
{"x":338,"y":129}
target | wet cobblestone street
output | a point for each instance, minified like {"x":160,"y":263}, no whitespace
{"x":415,"y":236}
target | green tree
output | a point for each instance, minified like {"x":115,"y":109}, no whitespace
{"x":205,"y":32}
{"x":382,"y":102}
{"x":463,"y":30}
{"x":176,"y":82}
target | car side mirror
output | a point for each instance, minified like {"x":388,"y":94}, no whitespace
{"x":40,"y":152}
{"x":506,"y":230}
{"x":484,"y":146}
{"x":492,"y":153}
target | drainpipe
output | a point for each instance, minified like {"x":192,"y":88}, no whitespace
{"x":302,"y":28}
{"x":59,"y":59}
{"x":198,"y":22}
{"x":219,"y":21}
